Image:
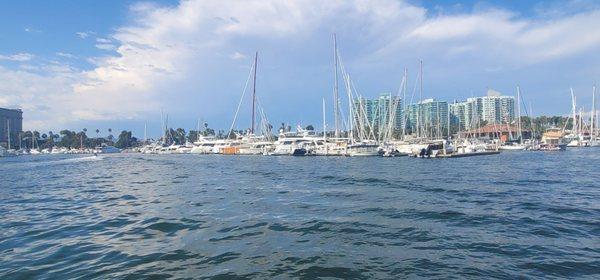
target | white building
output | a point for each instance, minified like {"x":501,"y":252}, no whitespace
{"x":494,"y":108}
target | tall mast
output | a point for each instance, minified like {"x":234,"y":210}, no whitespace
{"x":145,"y":133}
{"x":419,"y":124}
{"x":592,"y":124}
{"x":448,"y":120}
{"x":162,"y":126}
{"x":519,"y":115}
{"x":438,"y":132}
{"x":167,"y":132}
{"x":254,"y":91}
{"x":324,"y":123}
{"x":8,"y":128}
{"x":574,"y":111}
{"x":404,"y":104}
{"x":336,"y":97}
{"x":198,"y":131}
{"x":531,"y":123}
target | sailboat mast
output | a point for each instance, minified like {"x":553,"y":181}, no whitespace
{"x":198,"y":131}
{"x":448,"y":121}
{"x":592,"y":124}
{"x":324,"y":123}
{"x":336,"y":97}
{"x":419,"y":124}
{"x":162,"y":126}
{"x":167,"y":131}
{"x":574,"y":111}
{"x":8,"y":128}
{"x":404,"y":104}
{"x":254,"y":91}
{"x":520,"y":133}
{"x":531,"y":122}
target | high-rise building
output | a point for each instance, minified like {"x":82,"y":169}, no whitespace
{"x":430,"y":116}
{"x":492,"y":109}
{"x":496,"y":108}
{"x":13,"y":119}
{"x":380,"y":111}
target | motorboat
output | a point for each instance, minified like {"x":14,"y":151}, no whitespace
{"x":433,"y":149}
{"x":513,"y":146}
{"x":291,"y":143}
{"x":204,"y":145}
{"x":363,"y":149}
{"x":109,"y":150}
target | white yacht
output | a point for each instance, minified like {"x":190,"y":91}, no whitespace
{"x":435,"y":148}
{"x":226,"y":147}
{"x":363,"y":149}
{"x":184,"y":149}
{"x":514,"y":146}
{"x":578,"y":140}
{"x":204,"y":145}
{"x":59,"y":150}
{"x":110,"y":150}
{"x":331,"y":147}
{"x":291,"y":144}
{"x":255,"y":145}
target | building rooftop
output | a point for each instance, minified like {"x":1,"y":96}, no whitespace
{"x":7,"y":109}
{"x":496,"y":128}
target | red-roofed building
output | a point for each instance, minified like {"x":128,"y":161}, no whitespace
{"x":494,"y":131}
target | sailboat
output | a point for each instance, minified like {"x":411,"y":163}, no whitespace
{"x":594,"y":140}
{"x":9,"y":150}
{"x":516,"y":145}
{"x":577,"y":137}
{"x":249,"y":143}
{"x":361,"y":138}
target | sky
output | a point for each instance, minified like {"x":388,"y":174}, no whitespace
{"x":122,"y":64}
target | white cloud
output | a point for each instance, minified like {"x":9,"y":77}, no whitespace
{"x":171,"y":55}
{"x":83,"y":34}
{"x":31,"y":30}
{"x":500,"y":35}
{"x":18,"y":57}
{"x":66,"y":55}
{"x":238,"y":55}
{"x":106,"y":47}
{"x":103,"y":40}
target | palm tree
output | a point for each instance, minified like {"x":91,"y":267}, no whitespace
{"x":97,"y":131}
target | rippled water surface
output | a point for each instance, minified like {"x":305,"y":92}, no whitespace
{"x":513,"y":215}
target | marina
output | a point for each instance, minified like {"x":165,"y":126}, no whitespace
{"x":299,"y":139}
{"x":385,"y":127}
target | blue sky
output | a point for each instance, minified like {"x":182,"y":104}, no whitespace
{"x":118,"y":64}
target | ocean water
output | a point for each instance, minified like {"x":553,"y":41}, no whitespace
{"x":530,"y":215}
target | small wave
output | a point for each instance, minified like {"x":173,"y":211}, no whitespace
{"x":72,"y":160}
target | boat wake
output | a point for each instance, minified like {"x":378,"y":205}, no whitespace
{"x":90,"y":158}
{"x":74,"y":160}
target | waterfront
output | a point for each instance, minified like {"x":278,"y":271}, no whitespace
{"x":512,"y":215}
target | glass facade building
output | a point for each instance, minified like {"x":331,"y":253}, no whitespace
{"x":13,"y":119}
{"x":380,"y":111}
{"x":429,"y":115}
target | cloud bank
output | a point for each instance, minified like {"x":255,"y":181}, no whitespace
{"x":192,"y":59}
